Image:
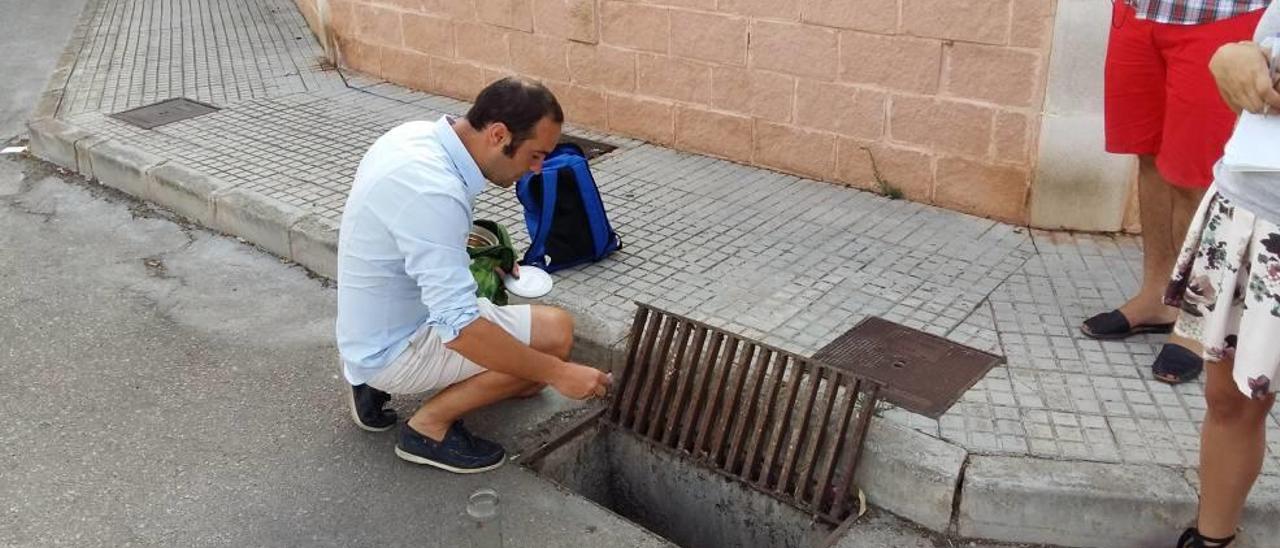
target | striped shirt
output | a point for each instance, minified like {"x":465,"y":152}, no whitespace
{"x":1193,"y":12}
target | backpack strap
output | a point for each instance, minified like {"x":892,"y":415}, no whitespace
{"x":541,"y":220}
{"x":600,"y":233}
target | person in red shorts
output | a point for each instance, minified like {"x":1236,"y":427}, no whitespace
{"x":1162,"y":104}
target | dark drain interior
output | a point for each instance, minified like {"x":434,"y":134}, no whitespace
{"x":672,"y":496}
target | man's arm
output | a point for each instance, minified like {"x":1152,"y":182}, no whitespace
{"x":490,"y":346}
{"x":430,"y":230}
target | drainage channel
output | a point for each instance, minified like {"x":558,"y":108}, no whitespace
{"x":711,"y":439}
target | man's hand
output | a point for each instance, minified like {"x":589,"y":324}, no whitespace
{"x":1244,"y":78}
{"x":515,"y":271}
{"x":581,"y":382}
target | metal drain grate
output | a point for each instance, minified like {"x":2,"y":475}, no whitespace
{"x":167,"y":111}
{"x":923,"y":373}
{"x":593,"y":149}
{"x":788,"y":426}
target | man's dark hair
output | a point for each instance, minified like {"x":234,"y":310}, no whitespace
{"x":518,"y":104}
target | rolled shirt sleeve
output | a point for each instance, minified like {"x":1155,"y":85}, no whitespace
{"x":431,"y":230}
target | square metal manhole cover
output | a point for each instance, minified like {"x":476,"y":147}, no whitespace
{"x":923,"y":373}
{"x":592,"y":149}
{"x":164,"y":112}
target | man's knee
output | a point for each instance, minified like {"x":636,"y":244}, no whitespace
{"x":555,"y":332}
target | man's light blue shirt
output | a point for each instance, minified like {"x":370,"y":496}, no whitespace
{"x":402,"y":256}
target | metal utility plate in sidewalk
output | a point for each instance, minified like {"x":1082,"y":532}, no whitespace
{"x":593,"y":149}
{"x":923,"y":373}
{"x":167,"y":111}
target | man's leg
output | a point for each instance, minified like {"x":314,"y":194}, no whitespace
{"x":1186,"y":201}
{"x":551,"y":332}
{"x":1156,"y":199}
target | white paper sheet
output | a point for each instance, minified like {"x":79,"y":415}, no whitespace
{"x":1255,"y":144}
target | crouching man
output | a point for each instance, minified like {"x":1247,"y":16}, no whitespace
{"x":409,"y":320}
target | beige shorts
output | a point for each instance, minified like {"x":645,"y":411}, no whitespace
{"x":428,"y":365}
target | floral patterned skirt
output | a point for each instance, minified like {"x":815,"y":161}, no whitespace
{"x":1227,"y":284}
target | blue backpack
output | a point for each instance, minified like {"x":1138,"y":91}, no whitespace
{"x":564,"y":213}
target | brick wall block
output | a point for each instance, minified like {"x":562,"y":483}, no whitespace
{"x":789,"y":148}
{"x":457,"y":79}
{"x":543,"y":57}
{"x":840,"y":108}
{"x":635,"y":26}
{"x":803,"y":50}
{"x":482,"y":43}
{"x":997,"y":74}
{"x":571,"y":19}
{"x":512,"y":14}
{"x":982,"y":189}
{"x":709,"y":37}
{"x":942,"y":125}
{"x":647,"y":119}
{"x":982,"y":21}
{"x":673,"y":78}
{"x":427,"y":34}
{"x":603,"y":66}
{"x":879,"y":16}
{"x":758,"y":93}
{"x":909,"y":171}
{"x":896,"y":62}
{"x":772,"y":9}
{"x":717,"y":133}
{"x":582,"y":106}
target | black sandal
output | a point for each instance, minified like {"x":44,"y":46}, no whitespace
{"x":1191,"y":538}
{"x":1113,"y":325}
{"x":1176,"y":365}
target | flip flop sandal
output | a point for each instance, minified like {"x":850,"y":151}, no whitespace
{"x":1191,"y":538}
{"x":1113,"y":325}
{"x":1176,"y":365}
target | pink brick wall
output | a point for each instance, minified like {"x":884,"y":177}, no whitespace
{"x":945,"y":94}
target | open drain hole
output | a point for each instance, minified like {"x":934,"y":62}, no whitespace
{"x":714,"y":439}
{"x":671,"y":495}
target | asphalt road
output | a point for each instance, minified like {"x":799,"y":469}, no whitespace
{"x":32,"y":36}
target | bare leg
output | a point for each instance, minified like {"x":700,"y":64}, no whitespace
{"x":1156,"y":210}
{"x":552,"y":334}
{"x":1232,"y":446}
{"x":1185,"y":202}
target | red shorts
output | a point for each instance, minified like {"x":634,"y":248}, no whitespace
{"x":1161,"y":99}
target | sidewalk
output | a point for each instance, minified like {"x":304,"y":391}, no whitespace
{"x":1071,"y":443}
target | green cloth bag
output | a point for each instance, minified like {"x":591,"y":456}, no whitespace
{"x":490,"y":248}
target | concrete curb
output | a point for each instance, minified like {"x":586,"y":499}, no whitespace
{"x":1077,"y":503}
{"x":117,"y":165}
{"x":313,"y":243}
{"x":55,"y":141}
{"x":911,"y":474}
{"x":183,"y":190}
{"x":256,"y":218}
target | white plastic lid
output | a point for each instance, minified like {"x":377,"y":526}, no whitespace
{"x":533,"y":282}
